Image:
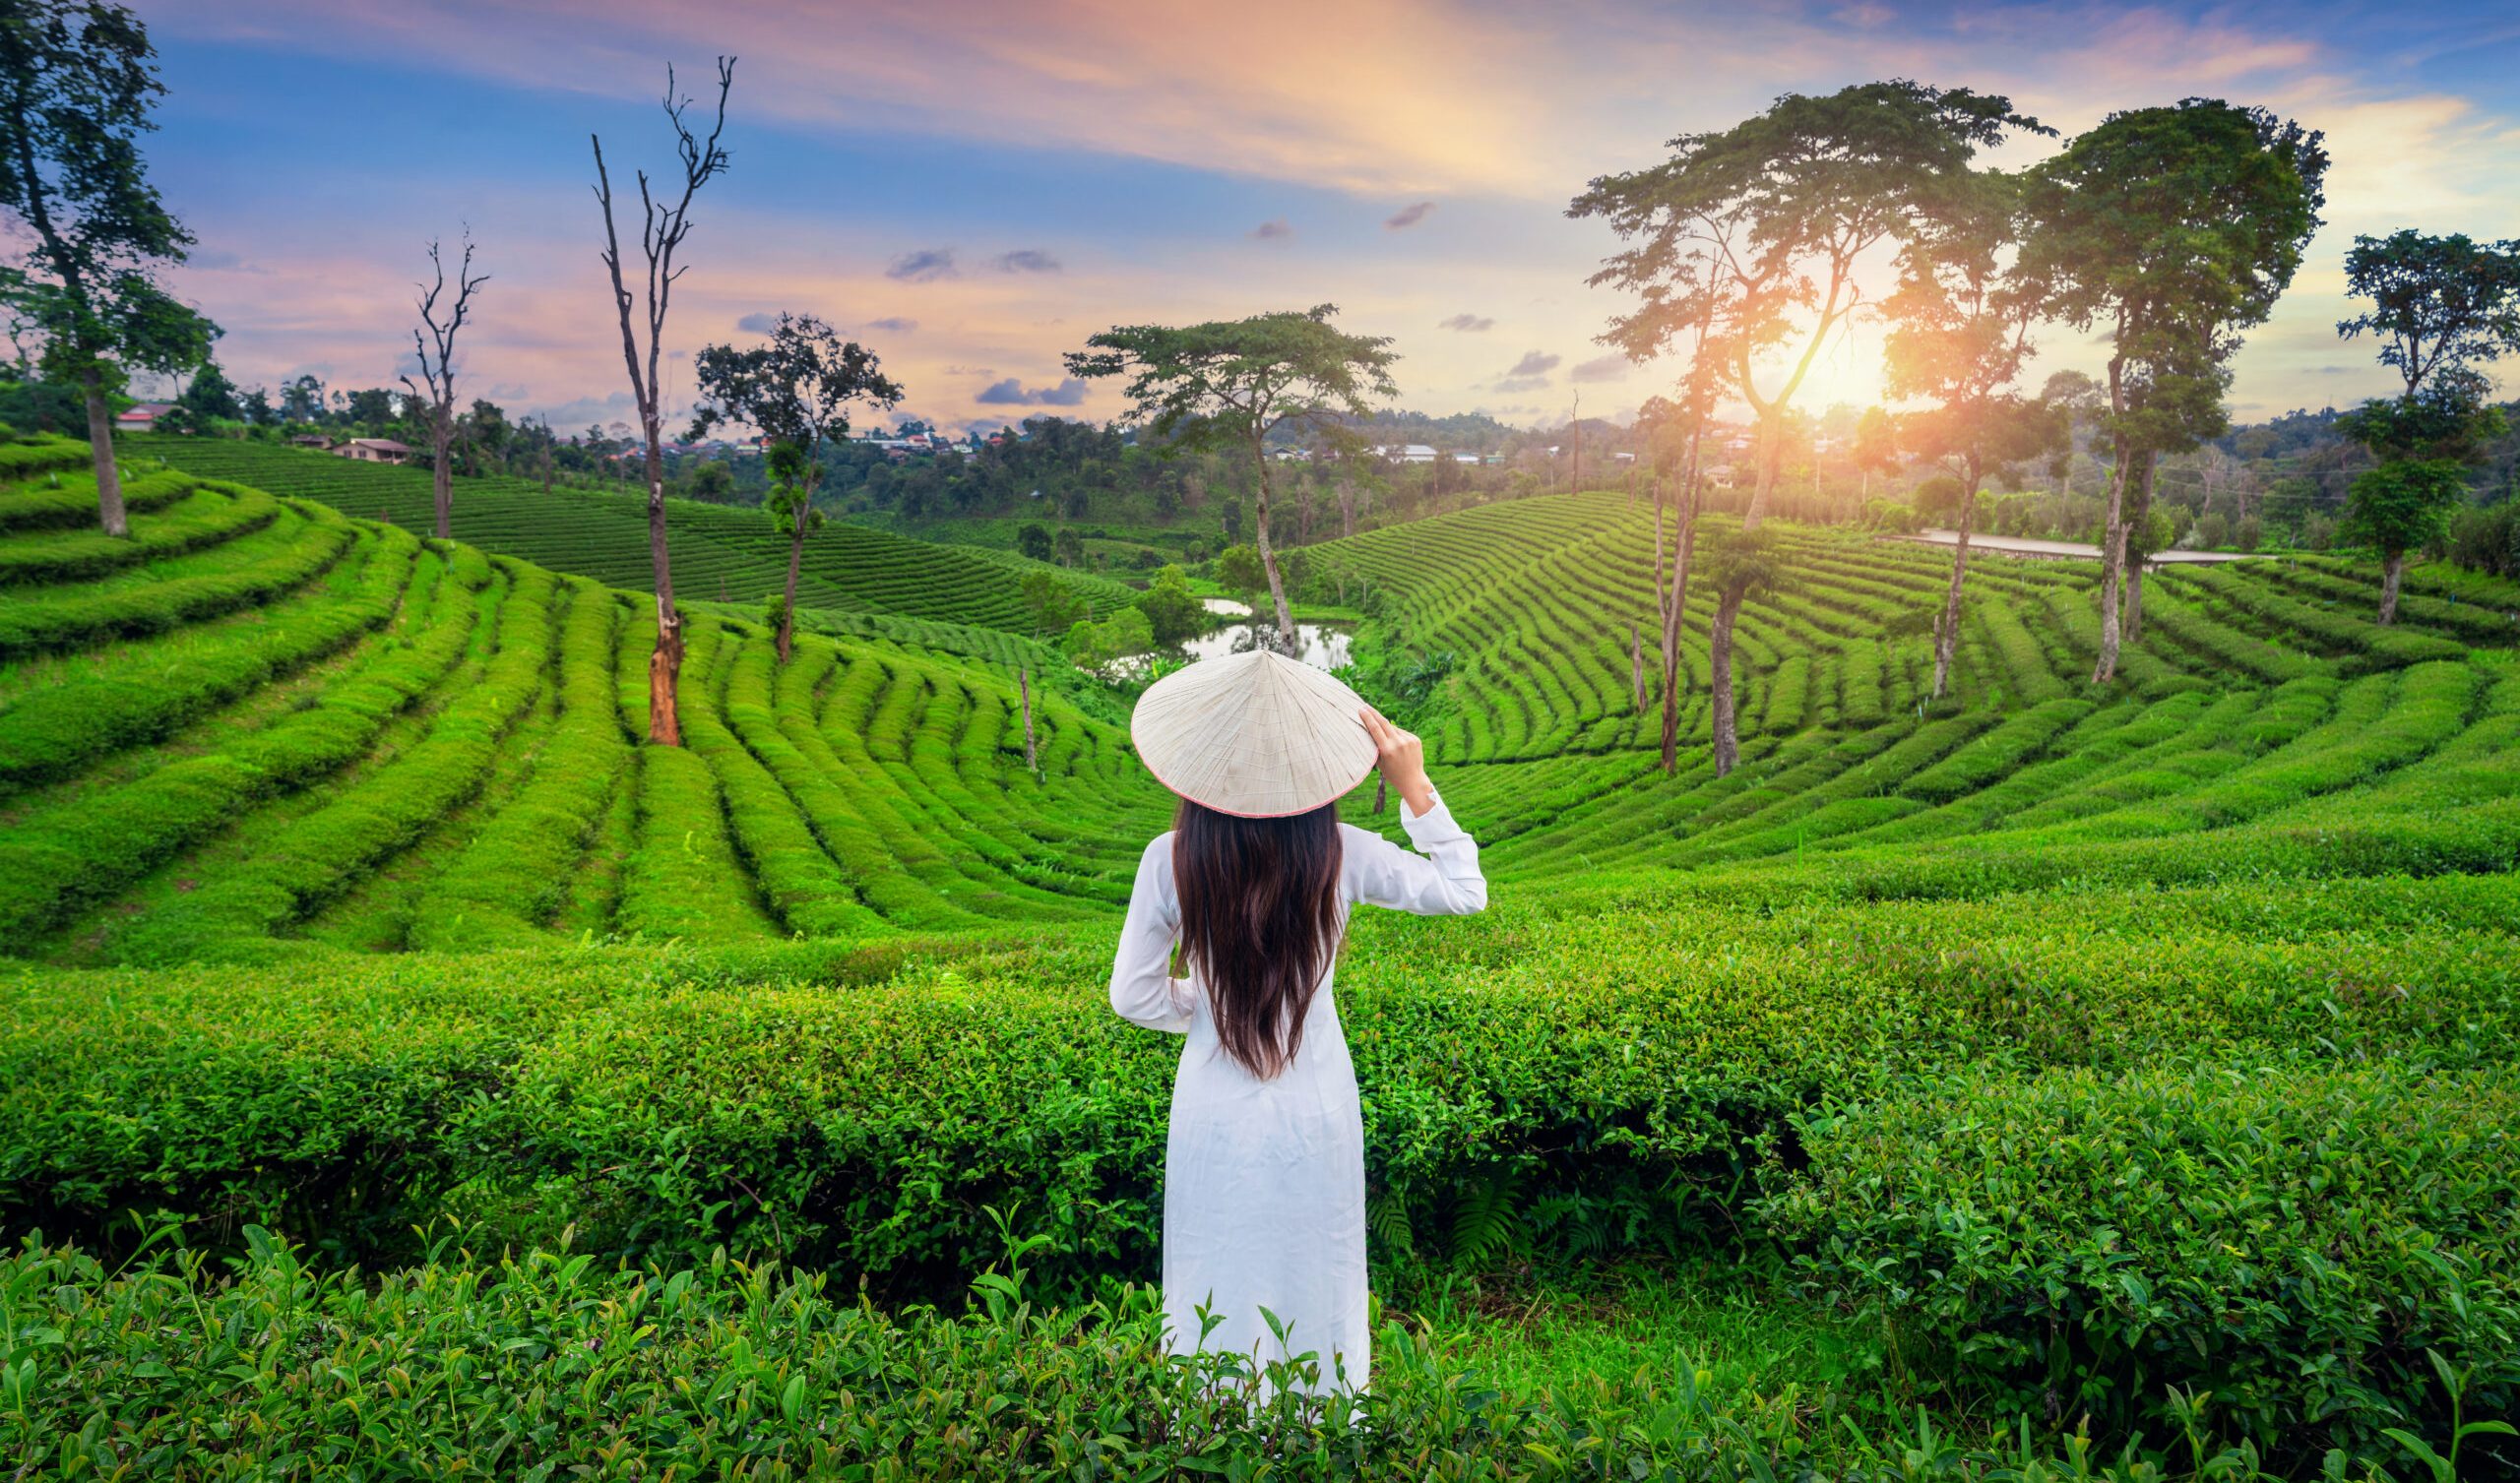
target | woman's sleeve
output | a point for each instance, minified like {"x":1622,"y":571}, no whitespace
{"x":1143,"y":988}
{"x":1441,"y":879}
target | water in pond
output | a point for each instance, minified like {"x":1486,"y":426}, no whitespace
{"x":1317,"y":644}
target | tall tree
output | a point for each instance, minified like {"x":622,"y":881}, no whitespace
{"x":209,"y":395}
{"x":1228,"y":383}
{"x":796,"y":391}
{"x":433,"y":346}
{"x":1743,"y":564}
{"x":1960,"y":333}
{"x":665,"y":220}
{"x":1876,"y":446}
{"x":1675,"y":433}
{"x":2441,"y":308}
{"x":1785,"y":203}
{"x":2176,"y":229}
{"x":79,"y":78}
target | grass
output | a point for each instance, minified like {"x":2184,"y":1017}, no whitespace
{"x":341,"y":900}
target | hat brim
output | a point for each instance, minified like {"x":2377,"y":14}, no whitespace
{"x":1256,"y":735}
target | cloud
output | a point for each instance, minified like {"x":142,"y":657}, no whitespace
{"x":1533,"y":363}
{"x":893,"y":325}
{"x":1408,"y":216}
{"x":1468,"y":324}
{"x":1010,"y":393}
{"x":1602,"y":368}
{"x":1273,"y":229}
{"x":1401,"y":99}
{"x":1026,"y":259}
{"x":924,"y":265}
{"x":220,"y":260}
{"x":759,"y":322}
{"x":1514,"y":384}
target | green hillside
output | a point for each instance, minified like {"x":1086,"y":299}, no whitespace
{"x":721,"y":553}
{"x":2034,"y":1056}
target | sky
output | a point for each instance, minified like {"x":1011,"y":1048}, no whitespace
{"x":972,"y":187}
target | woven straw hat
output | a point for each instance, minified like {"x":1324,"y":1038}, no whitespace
{"x":1256,"y":734}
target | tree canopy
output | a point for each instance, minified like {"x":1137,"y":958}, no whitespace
{"x":2176,"y":229}
{"x":797,"y":388}
{"x":1228,"y":383}
{"x":1749,"y":237}
{"x":2439,"y":305}
{"x":79,"y":79}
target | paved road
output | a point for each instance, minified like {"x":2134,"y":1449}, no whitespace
{"x":2062,"y":550}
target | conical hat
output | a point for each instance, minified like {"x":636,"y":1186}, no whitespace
{"x":1256,"y":734}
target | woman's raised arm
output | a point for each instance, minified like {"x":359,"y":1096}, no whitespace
{"x":1443,"y":878}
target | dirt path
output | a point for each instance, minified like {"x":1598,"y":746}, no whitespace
{"x":2061,"y":550}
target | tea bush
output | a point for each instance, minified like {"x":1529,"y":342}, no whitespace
{"x":549,"y":1364}
{"x":2298,"y":1240}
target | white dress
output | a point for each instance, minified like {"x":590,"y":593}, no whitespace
{"x":1264,"y":1182}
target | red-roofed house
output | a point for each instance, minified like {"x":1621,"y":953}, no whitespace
{"x":141,"y":416}
{"x":375,"y":449}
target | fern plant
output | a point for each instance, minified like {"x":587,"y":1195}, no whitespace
{"x":1487,"y":1223}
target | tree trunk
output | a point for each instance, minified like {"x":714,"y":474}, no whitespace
{"x":442,"y":476}
{"x":1727,"y":747}
{"x":546,"y":471}
{"x":1682,"y":540}
{"x":1771,"y":453}
{"x":2112,"y":561}
{"x":1382,"y":794}
{"x":1947,"y":634}
{"x":1347,"y":509}
{"x":795,"y":560}
{"x":1268,"y":559}
{"x":2392,"y":575}
{"x":665,"y":666}
{"x":1023,"y":687}
{"x":2132,"y":627}
{"x":100,"y":450}
{"x":1636,"y":664}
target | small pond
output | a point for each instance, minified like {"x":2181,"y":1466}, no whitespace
{"x":1318,"y":645}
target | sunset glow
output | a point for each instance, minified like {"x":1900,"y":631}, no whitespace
{"x":974,"y":188}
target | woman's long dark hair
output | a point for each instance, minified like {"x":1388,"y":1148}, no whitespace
{"x":1259,"y":922}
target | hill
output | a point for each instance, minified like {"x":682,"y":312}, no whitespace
{"x":721,"y":553}
{"x":2043,"y":1050}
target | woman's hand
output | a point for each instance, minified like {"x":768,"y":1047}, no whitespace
{"x":1402,"y":757}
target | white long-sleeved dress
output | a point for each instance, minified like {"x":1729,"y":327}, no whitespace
{"x":1264,"y":1187}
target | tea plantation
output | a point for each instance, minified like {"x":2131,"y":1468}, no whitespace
{"x":408,"y":1071}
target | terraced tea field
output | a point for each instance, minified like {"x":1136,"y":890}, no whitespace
{"x":2068,"y":1054}
{"x":721,"y":553}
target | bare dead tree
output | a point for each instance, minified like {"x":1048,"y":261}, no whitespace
{"x":663,"y":224}
{"x":434,"y":345}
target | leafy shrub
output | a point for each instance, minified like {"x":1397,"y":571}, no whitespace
{"x":549,"y":1364}
{"x":2488,"y":541}
{"x":2292,"y":1239}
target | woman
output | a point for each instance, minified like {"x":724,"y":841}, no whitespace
{"x":1263,"y":1194}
